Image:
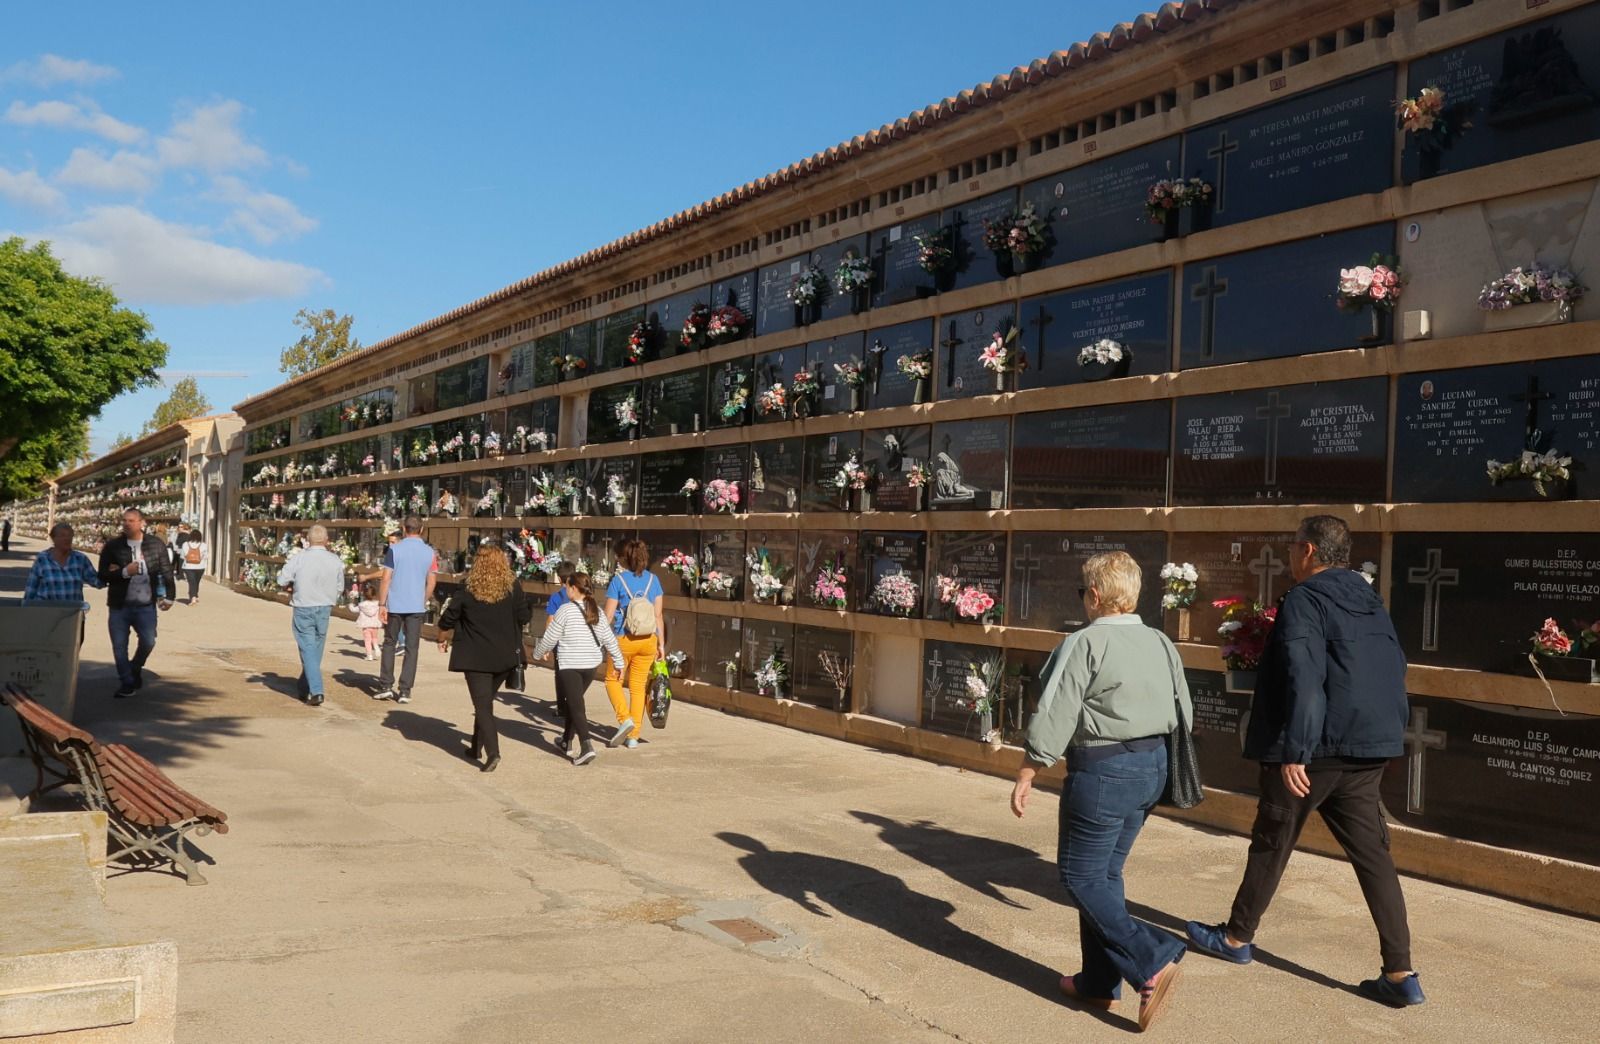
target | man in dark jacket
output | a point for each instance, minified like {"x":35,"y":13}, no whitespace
{"x":138,"y":576}
{"x":1329,"y":710}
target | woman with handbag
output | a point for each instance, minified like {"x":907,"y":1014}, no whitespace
{"x":581,"y":640}
{"x":633,"y":605}
{"x":196,"y":555}
{"x":1113,"y":697}
{"x":481,"y":628}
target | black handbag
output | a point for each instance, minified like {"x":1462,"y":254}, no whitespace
{"x":1184,"y":786}
{"x":517,"y":680}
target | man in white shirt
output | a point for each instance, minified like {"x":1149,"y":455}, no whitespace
{"x":317,"y":578}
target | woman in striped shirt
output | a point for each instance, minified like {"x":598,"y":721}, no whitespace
{"x":580,"y":642}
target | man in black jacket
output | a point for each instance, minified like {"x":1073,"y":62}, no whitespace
{"x":1330,"y":709}
{"x":138,"y":576}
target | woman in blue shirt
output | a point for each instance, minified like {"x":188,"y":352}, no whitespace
{"x":639,"y":631}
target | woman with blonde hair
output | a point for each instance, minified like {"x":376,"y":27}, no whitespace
{"x":633,"y":605}
{"x":482,"y":630}
{"x":1111,"y":696}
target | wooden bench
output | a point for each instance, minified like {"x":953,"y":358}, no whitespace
{"x":148,"y":815}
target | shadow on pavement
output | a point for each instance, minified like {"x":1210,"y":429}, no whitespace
{"x":165,"y":721}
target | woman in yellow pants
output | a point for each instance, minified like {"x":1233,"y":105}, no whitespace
{"x":641,"y":644}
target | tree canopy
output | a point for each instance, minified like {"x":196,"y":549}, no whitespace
{"x":326,"y":337}
{"x":185,"y":401}
{"x":122,"y":439}
{"x":40,"y":457}
{"x":67,"y":347}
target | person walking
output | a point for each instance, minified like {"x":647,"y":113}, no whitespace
{"x":410,"y":571}
{"x":59,"y":572}
{"x":368,"y":618}
{"x":137,"y":573}
{"x":633,"y":605}
{"x":481,"y":628}
{"x":1110,"y":699}
{"x":580,"y":640}
{"x":195,"y":556}
{"x":316,"y":576}
{"x":5,"y":536}
{"x":1329,"y":711}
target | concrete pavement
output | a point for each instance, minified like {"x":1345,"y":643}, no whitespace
{"x":377,"y":888}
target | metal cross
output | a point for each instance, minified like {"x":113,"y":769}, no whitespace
{"x":1041,"y":319}
{"x":1419,"y":740}
{"x":935,"y":668}
{"x":1026,"y":564}
{"x":950,"y":344}
{"x":1432,"y":577}
{"x":1532,"y":436}
{"x":1264,"y":567}
{"x":1207,"y":292}
{"x":1219,"y":152}
{"x":1274,"y":411}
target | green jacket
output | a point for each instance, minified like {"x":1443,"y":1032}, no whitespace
{"x":1114,"y":680}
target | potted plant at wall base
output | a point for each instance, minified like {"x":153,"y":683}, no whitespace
{"x":838,"y":670}
{"x":1553,"y":654}
{"x":1001,"y":358}
{"x":936,"y":257}
{"x":852,"y":279}
{"x":1246,"y":627}
{"x":1549,"y":473}
{"x":1104,"y":360}
{"x":805,"y":293}
{"x":853,"y":376}
{"x":1179,"y":583}
{"x":1374,"y":286}
{"x":1533,"y":296}
{"x":919,"y":367}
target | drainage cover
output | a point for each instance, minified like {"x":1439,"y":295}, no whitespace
{"x":746,"y":930}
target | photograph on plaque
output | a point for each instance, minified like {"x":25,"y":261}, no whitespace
{"x":767,"y":656}
{"x":737,"y":292}
{"x":615,"y":414}
{"x":976,"y":264}
{"x":1476,"y":600}
{"x":955,"y":690}
{"x":775,"y":313}
{"x":665,"y":317}
{"x":1094,"y":456}
{"x":897,"y":456}
{"x":776,"y":468}
{"x":615,"y":330}
{"x":826,"y":555}
{"x":768,"y":404}
{"x":1047,"y":570}
{"x":828,"y":258}
{"x":1097,"y":333}
{"x":898,"y":275}
{"x":967,"y":471}
{"x":1249,"y":566}
{"x":1220,"y":720}
{"x":902,"y":558}
{"x":825,"y":455}
{"x":1323,"y":443}
{"x":732,"y":394}
{"x":888,"y":383}
{"x":966,"y":578}
{"x":771,"y":566}
{"x":1512,"y":777}
{"x":823,"y":358}
{"x":722,"y":566}
{"x":615,"y":482}
{"x":1512,"y":94}
{"x":822,"y":657}
{"x":1098,"y":208}
{"x":958,"y":356}
{"x":1277,"y":301}
{"x":661,"y":481}
{"x":1453,"y":426}
{"x":674,"y":403}
{"x":717,"y":649}
{"x":1324,"y":144}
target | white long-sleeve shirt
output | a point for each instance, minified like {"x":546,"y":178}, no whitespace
{"x":574,"y":649}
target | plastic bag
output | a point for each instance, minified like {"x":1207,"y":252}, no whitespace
{"x":658,"y":697}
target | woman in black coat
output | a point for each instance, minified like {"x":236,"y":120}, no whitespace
{"x":482,"y":630}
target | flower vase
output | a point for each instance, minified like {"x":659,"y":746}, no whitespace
{"x":672,"y":428}
{"x":985,"y":723}
{"x":843,"y":699}
{"x":1196,"y":217}
{"x":1003,"y":265}
{"x":858,"y":301}
{"x":1240,"y":682}
{"x":1578,"y":669}
{"x":1517,"y":317}
{"x":691,"y":504}
{"x":1428,"y":163}
{"x":855,"y":398}
{"x":1382,"y":326}
{"x":1167,"y":227}
{"x":919,"y":498}
{"x":688,"y":587}
{"x":777,"y":690}
{"x":575,"y":504}
{"x":1024,"y":263}
{"x":860,"y":500}
{"x":1183,"y":621}
{"x":943,"y":280}
{"x":632,"y":432}
{"x":730,"y":678}
{"x":1105,"y":371}
{"x":1001,"y":379}
{"x":801,"y":408}
{"x":919,"y":391}
{"x":569,"y":373}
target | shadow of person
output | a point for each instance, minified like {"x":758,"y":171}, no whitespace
{"x":867,"y":894}
{"x":983,"y":864}
{"x":279,"y":683}
{"x":420,"y":728}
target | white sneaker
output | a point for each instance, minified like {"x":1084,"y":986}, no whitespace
{"x":623,"y":732}
{"x":386,"y":694}
{"x":631,"y":744}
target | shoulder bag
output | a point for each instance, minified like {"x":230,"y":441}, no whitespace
{"x":1184,"y":786}
{"x":517,"y":680}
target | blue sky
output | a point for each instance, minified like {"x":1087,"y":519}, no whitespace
{"x":223,"y":169}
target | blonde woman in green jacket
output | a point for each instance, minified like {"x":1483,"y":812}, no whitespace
{"x":1108,"y":704}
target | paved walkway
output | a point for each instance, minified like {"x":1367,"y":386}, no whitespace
{"x":376,"y":888}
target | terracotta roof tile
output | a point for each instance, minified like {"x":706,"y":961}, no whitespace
{"x":1123,"y":35}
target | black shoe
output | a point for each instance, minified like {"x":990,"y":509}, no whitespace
{"x":314,"y":700}
{"x":404,"y":697}
{"x":470,"y":752}
{"x":567,"y":737}
{"x":123,"y":692}
{"x":492,"y":764}
{"x":585,"y":755}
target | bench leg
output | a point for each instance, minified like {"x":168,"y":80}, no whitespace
{"x":166,"y":845}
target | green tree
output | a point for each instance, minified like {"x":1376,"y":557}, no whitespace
{"x":186,"y":401}
{"x":326,"y":337}
{"x":122,"y":439}
{"x":67,"y":347}
{"x":36,"y":458}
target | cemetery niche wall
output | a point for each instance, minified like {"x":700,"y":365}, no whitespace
{"x":871,"y":426}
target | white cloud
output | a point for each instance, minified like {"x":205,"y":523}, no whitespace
{"x":69,"y":116}
{"x":208,"y":138}
{"x":48,"y":70}
{"x":122,"y":171}
{"x":265,"y":217}
{"x":150,"y":260}
{"x":30,"y":190}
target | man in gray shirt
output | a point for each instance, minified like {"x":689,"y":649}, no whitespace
{"x":317,"y":577}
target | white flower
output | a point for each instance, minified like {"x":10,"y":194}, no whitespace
{"x":1190,"y":573}
{"x":1229,"y":626}
{"x":1168,"y":571}
{"x":976,"y":687}
{"x":1169,"y":601}
{"x":1369,"y":571}
{"x":1354,"y":281}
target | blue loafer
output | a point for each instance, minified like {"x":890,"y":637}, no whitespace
{"x":1403,"y":994}
{"x":1213,"y":939}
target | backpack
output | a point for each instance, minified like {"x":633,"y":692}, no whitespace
{"x":639,"y":615}
{"x":192,"y":556}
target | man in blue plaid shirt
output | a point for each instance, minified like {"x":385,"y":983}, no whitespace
{"x":59,"y":572}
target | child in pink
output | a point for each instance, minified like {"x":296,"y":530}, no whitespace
{"x":367,"y":619}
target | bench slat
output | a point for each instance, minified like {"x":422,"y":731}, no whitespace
{"x":140,"y":802}
{"x":136,"y":771}
{"x":42,"y":718}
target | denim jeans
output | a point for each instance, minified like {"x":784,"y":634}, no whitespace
{"x":1103,"y":807}
{"x":311,"y":634}
{"x":142,"y":620}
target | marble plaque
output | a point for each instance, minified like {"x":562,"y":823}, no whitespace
{"x":614,"y":331}
{"x":971,"y":560}
{"x":888,"y":386}
{"x":775,"y":313}
{"x":777,"y":367}
{"x":675,"y":403}
{"x":958,"y":369}
{"x":898,"y":276}
{"x":809,"y":683}
{"x":893,"y":453}
{"x":969,"y":465}
{"x":1094,"y":456}
{"x":608,"y":475}
{"x":1220,"y":720}
{"x":1047,"y":570}
{"x":818,"y":548}
{"x":776,"y":468}
{"x":821,"y":357}
{"x":666,"y":318}
{"x":946,"y":702}
{"x":780,"y":549}
{"x":722,"y":550}
{"x":824,"y":456}
{"x":1136,"y":313}
{"x":661,"y":479}
{"x":605,"y":425}
{"x":827,"y":258}
{"x":718,"y":640}
{"x":732,"y":394}
{"x":975,"y":264}
{"x":1098,"y":208}
{"x":883,"y":553}
{"x":763,"y":640}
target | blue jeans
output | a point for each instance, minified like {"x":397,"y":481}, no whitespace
{"x":142,"y":620}
{"x":1103,"y":807}
{"x":310,"y":634}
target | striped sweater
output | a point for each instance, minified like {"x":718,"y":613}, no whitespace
{"x":576,"y":650}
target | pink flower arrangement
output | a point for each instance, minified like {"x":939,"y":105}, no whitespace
{"x":722,"y":495}
{"x":1420,"y":113}
{"x":696,"y":326}
{"x":726,"y":323}
{"x":1377,"y":284}
{"x":774,"y":400}
{"x":973,"y":602}
{"x":828,"y":589}
{"x":1551,"y":640}
{"x":1246,"y":628}
{"x":684,"y":565}
{"x":945,"y":588}
{"x":1000,"y":357}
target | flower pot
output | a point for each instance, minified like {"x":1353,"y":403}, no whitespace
{"x":1428,"y":163}
{"x":919,"y":498}
{"x":1001,"y":381}
{"x":632,"y":432}
{"x":943,"y":280}
{"x":1167,"y":227}
{"x":985,"y":723}
{"x":1381,"y":330}
{"x":1518,"y":317}
{"x":672,"y":428}
{"x":800,"y":408}
{"x":1003,"y":264}
{"x":730,"y":677}
{"x":862,"y":500}
{"x":1241,"y":682}
{"x":919,"y":391}
{"x":1194,"y":218}
{"x":842,"y":699}
{"x":777,"y":690}
{"x":1105,"y":371}
{"x":688,"y":588}
{"x":1578,"y":669}
{"x":1021,"y":263}
{"x":1183,"y":622}
{"x":575,"y":504}
{"x":855,"y":398}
